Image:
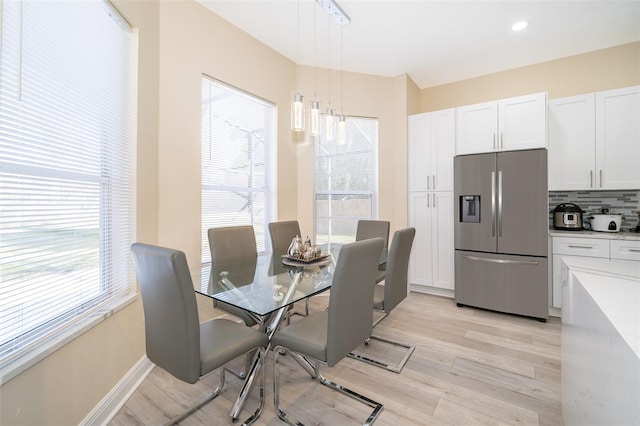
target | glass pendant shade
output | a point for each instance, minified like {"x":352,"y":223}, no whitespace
{"x":297,"y":113}
{"x":314,"y":118}
{"x":342,"y":130}
{"x":330,"y":120}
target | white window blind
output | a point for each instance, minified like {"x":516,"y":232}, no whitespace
{"x":67,"y":179}
{"x":345,"y":180}
{"x":238,"y":142}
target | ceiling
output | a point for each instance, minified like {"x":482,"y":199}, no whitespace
{"x":435,"y":42}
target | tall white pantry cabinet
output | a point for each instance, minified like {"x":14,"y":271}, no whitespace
{"x":431,"y":149}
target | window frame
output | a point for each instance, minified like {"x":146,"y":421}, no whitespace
{"x":373,"y":193}
{"x":269,"y":190}
{"x":64,"y":327}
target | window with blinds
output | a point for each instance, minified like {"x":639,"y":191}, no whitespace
{"x":238,"y":145}
{"x":67,"y":157}
{"x":346,"y":180}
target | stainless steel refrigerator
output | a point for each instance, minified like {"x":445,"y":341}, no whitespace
{"x":501,"y":232}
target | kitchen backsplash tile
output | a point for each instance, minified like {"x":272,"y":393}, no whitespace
{"x":625,"y":202}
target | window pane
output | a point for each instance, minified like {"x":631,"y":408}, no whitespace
{"x":67,"y":187}
{"x":345,"y":180}
{"x":237,"y":140}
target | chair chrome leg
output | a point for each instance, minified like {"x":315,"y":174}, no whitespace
{"x":395,"y":368}
{"x":377,"y":407}
{"x":202,"y":402}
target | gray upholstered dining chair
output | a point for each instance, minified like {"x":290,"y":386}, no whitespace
{"x":231,"y":244}
{"x":175,"y":339}
{"x":329,"y":336}
{"x":373,"y":229}
{"x":281,"y":234}
{"x":386,"y":297}
{"x":228,"y":245}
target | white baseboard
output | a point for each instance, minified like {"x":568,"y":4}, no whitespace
{"x":118,"y":396}
{"x":436,"y":291}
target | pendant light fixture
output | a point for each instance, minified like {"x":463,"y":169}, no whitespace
{"x":342,"y":123}
{"x":329,"y":117}
{"x":297,"y":106}
{"x":314,"y":112}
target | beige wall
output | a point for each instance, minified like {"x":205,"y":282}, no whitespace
{"x":194,"y":41}
{"x":590,"y":72}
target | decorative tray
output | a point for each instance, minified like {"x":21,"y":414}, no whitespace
{"x":301,"y":260}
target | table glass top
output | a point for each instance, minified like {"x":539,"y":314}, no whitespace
{"x":262,"y":285}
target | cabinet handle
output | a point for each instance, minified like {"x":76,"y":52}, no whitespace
{"x":494,"y":141}
{"x":501,"y":141}
{"x":600,"y":178}
{"x":434,"y":181}
{"x":434,"y":200}
{"x":579,"y":246}
{"x":428,"y":177}
{"x":590,"y":178}
{"x":634,"y":250}
{"x":428,"y":201}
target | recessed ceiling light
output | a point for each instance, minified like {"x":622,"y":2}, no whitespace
{"x":519,"y":26}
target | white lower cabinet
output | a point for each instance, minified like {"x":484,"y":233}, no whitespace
{"x":620,"y":249}
{"x":432,"y":254}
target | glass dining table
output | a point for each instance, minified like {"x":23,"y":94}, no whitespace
{"x":265,"y":288}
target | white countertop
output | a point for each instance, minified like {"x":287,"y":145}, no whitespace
{"x":625,"y":235}
{"x":615,"y":287}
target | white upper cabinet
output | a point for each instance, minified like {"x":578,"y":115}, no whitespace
{"x":431,"y":151}
{"x":504,"y":125}
{"x":419,"y":150}
{"x":443,"y":142}
{"x":572,"y":141}
{"x":618,"y":138}
{"x":476,"y":128}
{"x":594,"y":141}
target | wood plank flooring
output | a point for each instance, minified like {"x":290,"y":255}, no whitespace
{"x":470,"y":367}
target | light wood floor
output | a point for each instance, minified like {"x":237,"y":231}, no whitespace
{"x":470,"y":367}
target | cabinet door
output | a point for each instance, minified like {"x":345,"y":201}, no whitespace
{"x":625,"y":249}
{"x":572,"y":143}
{"x":442,"y":250}
{"x":419,"y":151}
{"x":618,"y":138}
{"x":522,"y":122}
{"x":443,"y":139}
{"x":572,"y":247}
{"x":420,"y":218}
{"x":476,"y":128}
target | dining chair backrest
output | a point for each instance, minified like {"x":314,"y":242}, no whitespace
{"x":372,"y":229}
{"x":229,"y":245}
{"x":350,"y":314}
{"x":281,"y":234}
{"x":232,"y":243}
{"x":172,"y":327}
{"x":395,"y":284}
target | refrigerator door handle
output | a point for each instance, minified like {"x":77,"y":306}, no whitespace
{"x":501,"y":261}
{"x":493,"y":204}
{"x":500,"y":203}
